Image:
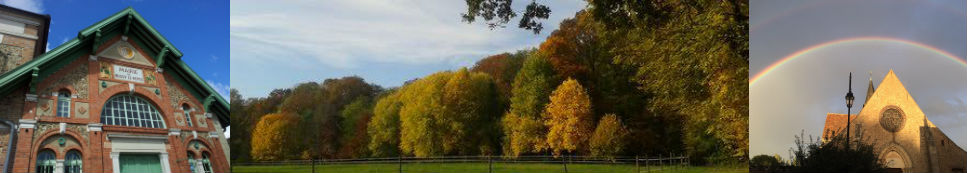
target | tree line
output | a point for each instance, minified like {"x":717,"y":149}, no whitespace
{"x":672,"y":81}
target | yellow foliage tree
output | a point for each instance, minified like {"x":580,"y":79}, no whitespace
{"x":270,"y":136}
{"x":568,"y":118}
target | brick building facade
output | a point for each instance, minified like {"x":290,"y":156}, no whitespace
{"x":117,"y":98}
{"x":902,"y":136}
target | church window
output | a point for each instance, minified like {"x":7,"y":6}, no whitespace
{"x":892,"y":119}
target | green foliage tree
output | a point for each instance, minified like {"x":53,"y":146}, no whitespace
{"x":693,"y":58}
{"x":766,"y":163}
{"x":568,"y":119}
{"x":241,"y":122}
{"x":469,"y":102}
{"x":319,"y":107}
{"x":354,"y":117}
{"x":498,"y":12}
{"x":271,"y":137}
{"x":833,"y":156}
{"x":609,"y":137}
{"x":523,"y":126}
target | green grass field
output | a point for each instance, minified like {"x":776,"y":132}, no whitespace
{"x":480,"y":168}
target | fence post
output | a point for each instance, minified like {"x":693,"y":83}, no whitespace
{"x":490,"y":159}
{"x":637,"y":170}
{"x":400,"y":161}
{"x":564,"y":160}
{"x":313,"y":163}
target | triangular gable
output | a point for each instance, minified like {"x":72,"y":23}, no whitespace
{"x":128,"y":23}
{"x":892,"y":92}
{"x":123,"y":50}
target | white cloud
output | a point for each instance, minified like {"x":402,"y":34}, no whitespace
{"x":349,"y":34}
{"x":35,"y":6}
{"x":221,"y":88}
{"x":214,"y":58}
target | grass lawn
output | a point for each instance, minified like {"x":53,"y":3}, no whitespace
{"x":480,"y":168}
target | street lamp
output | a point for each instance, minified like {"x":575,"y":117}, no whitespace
{"x":849,"y":104}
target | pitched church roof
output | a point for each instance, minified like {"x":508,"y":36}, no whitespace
{"x":834,"y":124}
{"x":129,"y":23}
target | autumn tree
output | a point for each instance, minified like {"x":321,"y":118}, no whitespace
{"x":319,"y":108}
{"x":568,"y":118}
{"x":693,"y":58}
{"x":272,"y":137}
{"x":609,"y":137}
{"x":245,"y":114}
{"x":420,"y":133}
{"x":354,"y":117}
{"x":503,"y":68}
{"x":447,"y":113}
{"x":384,"y":128}
{"x":469,"y":104}
{"x":523,"y":126}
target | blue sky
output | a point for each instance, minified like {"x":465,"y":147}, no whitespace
{"x":795,"y":97}
{"x":198,"y":28}
{"x":279,"y":44}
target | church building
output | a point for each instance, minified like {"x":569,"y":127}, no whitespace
{"x":116,"y":98}
{"x":902,"y":136}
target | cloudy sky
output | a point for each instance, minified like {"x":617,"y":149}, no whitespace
{"x":919,"y":40}
{"x":279,"y":44}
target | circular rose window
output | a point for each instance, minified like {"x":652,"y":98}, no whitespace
{"x":892,"y":119}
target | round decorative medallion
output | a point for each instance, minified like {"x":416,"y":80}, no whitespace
{"x":892,"y":119}
{"x":126,"y":52}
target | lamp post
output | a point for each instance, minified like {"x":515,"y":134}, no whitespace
{"x":849,"y":104}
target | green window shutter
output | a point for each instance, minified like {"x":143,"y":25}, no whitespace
{"x":140,"y":163}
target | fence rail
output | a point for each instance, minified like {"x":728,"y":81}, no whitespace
{"x":488,"y":164}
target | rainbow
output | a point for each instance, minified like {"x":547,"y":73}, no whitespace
{"x":799,"y":53}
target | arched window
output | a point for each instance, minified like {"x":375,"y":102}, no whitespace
{"x":64,"y":103}
{"x":191,"y":162}
{"x":205,"y":163}
{"x":45,"y":161}
{"x":187,"y":114}
{"x":74,"y":162}
{"x":130,"y":110}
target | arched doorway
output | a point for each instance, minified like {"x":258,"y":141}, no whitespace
{"x":895,"y":159}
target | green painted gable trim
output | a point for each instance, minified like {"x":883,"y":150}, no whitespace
{"x":126,"y":22}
